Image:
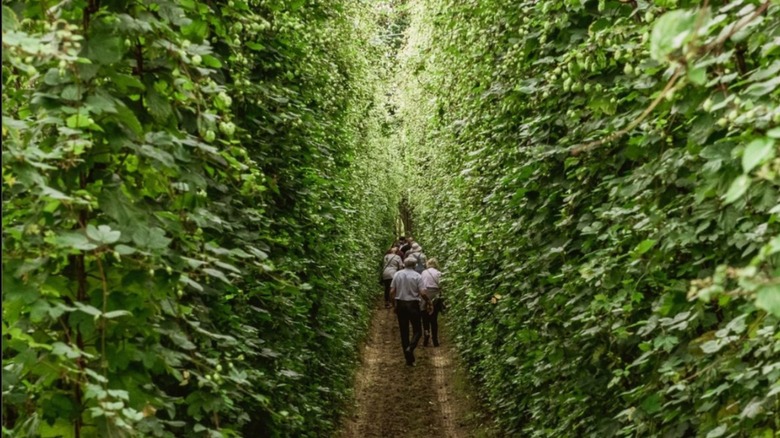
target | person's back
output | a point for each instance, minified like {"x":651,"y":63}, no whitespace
{"x":419,"y":257}
{"x":407,"y":283}
{"x":430,"y":280}
{"x":392,"y":264}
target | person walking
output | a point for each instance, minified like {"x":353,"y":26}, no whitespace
{"x":392,"y":264}
{"x":403,"y":247}
{"x":419,"y":257}
{"x":430,"y":317}
{"x":408,"y":291}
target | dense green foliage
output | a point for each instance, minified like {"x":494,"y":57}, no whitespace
{"x":192,"y":210}
{"x":601,"y":180}
{"x":194,"y":194}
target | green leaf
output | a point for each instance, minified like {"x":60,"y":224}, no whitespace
{"x":129,"y":120}
{"x":157,"y":154}
{"x":768,"y":298}
{"x":124,"y":249}
{"x":105,"y":50}
{"x":124,"y":82}
{"x":762,"y":88}
{"x":61,"y":428}
{"x":119,"y":393}
{"x":99,"y":104}
{"x":757,"y":152}
{"x":50,"y":193}
{"x":75,"y":241}
{"x":196,"y":30}
{"x":670,"y":32}
{"x":753,"y":409}
{"x":116,"y":314}
{"x":89,"y":310}
{"x":227,"y":266}
{"x":652,"y":404}
{"x":697,"y":75}
{"x":717,"y":432}
{"x":737,"y":189}
{"x":188,"y":281}
{"x":94,"y":391}
{"x":643,"y":247}
{"x":119,"y":208}
{"x":103,"y":234}
{"x":159,"y":107}
{"x":211,"y":61}
{"x":151,"y":238}
{"x":72,"y":93}
{"x":85,"y":71}
{"x":174,"y":14}
{"x":10,"y":22}
{"x":254,"y":46}
{"x":80,"y":120}
{"x":710,"y":347}
{"x":113,"y":406}
{"x":217,"y":274}
{"x":93,"y":374}
{"x":62,"y":349}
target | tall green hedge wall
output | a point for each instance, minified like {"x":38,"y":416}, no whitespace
{"x":192,"y":212}
{"x":601,"y":180}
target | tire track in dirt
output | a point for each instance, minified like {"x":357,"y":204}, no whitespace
{"x":442,"y":365}
{"x":396,"y":401}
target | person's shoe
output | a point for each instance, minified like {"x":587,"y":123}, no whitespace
{"x":425,"y":342}
{"x":409,"y":356}
{"x":435,"y":342}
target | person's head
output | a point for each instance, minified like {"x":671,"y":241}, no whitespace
{"x":402,"y":239}
{"x":416,"y":247}
{"x":432,"y":263}
{"x":410,"y":262}
{"x":393,"y":250}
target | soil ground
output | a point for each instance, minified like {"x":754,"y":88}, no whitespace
{"x":432,"y":399}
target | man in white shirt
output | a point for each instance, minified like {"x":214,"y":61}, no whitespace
{"x":408,"y":290}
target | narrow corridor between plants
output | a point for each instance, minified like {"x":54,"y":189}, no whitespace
{"x":393,"y":400}
{"x":197,"y":195}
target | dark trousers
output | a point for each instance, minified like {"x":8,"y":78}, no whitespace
{"x":409,"y":312}
{"x":386,"y":283}
{"x":431,"y":325}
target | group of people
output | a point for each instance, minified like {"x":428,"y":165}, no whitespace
{"x":411,"y":283}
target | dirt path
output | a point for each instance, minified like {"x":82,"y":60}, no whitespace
{"x":396,"y":401}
